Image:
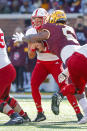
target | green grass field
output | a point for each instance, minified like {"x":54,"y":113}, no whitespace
{"x":65,"y":121}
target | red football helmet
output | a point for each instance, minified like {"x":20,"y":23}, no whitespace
{"x":39,"y":17}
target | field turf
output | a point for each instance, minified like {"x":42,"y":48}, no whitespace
{"x":65,"y":121}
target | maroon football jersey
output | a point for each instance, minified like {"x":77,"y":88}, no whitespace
{"x":60,"y":36}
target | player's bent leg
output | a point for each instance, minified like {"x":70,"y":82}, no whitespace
{"x":37,"y":99}
{"x":56,"y":98}
{"x":70,"y":98}
{"x":70,"y":90}
{"x":17,"y":108}
{"x":73,"y":101}
{"x":38,"y":76}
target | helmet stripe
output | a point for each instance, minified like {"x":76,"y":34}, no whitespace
{"x":36,"y":12}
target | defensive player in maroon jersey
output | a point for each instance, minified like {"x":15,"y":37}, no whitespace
{"x":47,"y":32}
{"x":75,"y":57}
{"x":8,"y":105}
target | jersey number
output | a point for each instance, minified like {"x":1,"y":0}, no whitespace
{"x":69,"y":36}
{"x":2,"y":43}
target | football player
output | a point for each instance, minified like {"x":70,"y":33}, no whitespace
{"x":8,"y":105}
{"x":47,"y":62}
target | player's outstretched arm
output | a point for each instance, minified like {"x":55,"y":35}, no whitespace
{"x":18,"y":37}
{"x":31,"y":38}
{"x":43,"y":35}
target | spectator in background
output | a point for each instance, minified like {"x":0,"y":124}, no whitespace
{"x":81,"y":31}
{"x":53,"y":6}
{"x":15,"y":6}
{"x":36,"y":3}
{"x":18,"y":54}
{"x":73,"y":6}
{"x":62,"y":5}
{"x":27,"y":7}
{"x":45,"y":4}
{"x":85,"y":20}
{"x":84,"y":6}
{"x":4,"y":6}
{"x":29,"y":65}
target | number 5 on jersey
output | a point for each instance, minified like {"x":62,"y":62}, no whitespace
{"x":2,"y":42}
{"x":69,"y":35}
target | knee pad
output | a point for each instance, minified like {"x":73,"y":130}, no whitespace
{"x":11,"y":101}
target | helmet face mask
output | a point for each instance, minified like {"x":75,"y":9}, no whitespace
{"x":58,"y":16}
{"x":37,"y":22}
{"x":38,"y":18}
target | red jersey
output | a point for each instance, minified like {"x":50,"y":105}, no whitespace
{"x":60,"y":36}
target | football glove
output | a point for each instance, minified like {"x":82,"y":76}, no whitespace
{"x":62,"y":77}
{"x":18,"y":37}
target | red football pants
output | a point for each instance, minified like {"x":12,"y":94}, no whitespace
{"x":7,"y":75}
{"x":77,"y":66}
{"x":40,"y":72}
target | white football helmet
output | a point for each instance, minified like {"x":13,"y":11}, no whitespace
{"x":39,"y":13}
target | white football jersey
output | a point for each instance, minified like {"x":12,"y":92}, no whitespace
{"x":68,"y":50}
{"x":42,"y":56}
{"x":4,"y":60}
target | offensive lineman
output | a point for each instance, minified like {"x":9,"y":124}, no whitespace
{"x":8,"y":105}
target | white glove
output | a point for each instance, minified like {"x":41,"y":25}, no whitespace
{"x":18,"y":37}
{"x":62,"y":77}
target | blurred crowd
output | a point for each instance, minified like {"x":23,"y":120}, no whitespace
{"x":18,"y":54}
{"x":28,"y":6}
